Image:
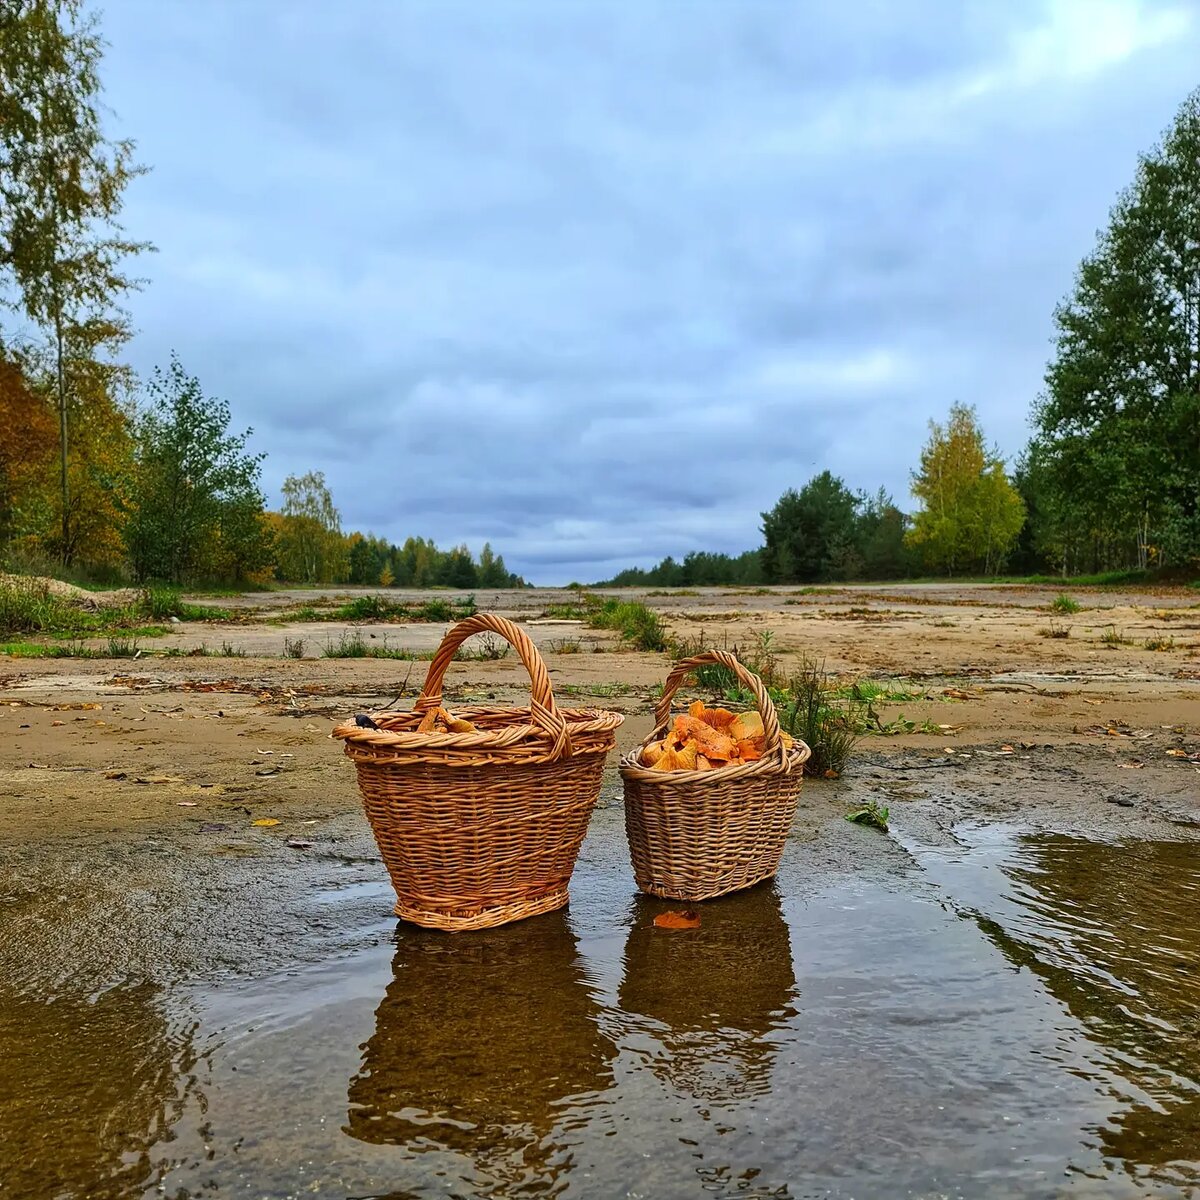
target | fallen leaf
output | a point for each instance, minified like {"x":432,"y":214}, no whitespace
{"x":689,"y":918}
{"x":265,"y":821}
{"x":56,"y":722}
{"x":1177,"y":753}
{"x":1132,"y":766}
{"x":1006,"y":750}
{"x":115,"y":775}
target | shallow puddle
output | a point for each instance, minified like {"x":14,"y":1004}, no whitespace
{"x":1013,"y":1017}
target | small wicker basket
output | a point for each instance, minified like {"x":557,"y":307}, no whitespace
{"x":481,"y":828}
{"x":694,"y":835}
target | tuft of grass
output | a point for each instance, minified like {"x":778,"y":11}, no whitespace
{"x":123,"y":647}
{"x":814,"y":714}
{"x":1055,"y":630}
{"x":27,"y":606}
{"x":565,"y":612}
{"x":352,"y":644}
{"x":73,"y":649}
{"x":162,"y":601}
{"x":293,"y":647}
{"x":565,"y":646}
{"x":1065,"y":604}
{"x":636,"y":623}
{"x":608,"y":691}
{"x":488,"y":648}
{"x":872,"y":691}
{"x":1112,"y":637}
{"x":381,"y":609}
{"x":1159,"y":643}
{"x":759,"y":657}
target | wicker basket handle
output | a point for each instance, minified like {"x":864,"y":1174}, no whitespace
{"x":772,"y":742}
{"x":543,"y":710}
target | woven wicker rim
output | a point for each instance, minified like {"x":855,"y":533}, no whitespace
{"x":540,"y":733}
{"x":776,"y":759}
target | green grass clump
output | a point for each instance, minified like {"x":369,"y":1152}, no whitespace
{"x":163,"y":601}
{"x":713,"y":677}
{"x":27,"y":606}
{"x":565,"y":612}
{"x":73,"y":649}
{"x":814,"y":713}
{"x":872,"y":691}
{"x":1159,"y":643}
{"x":1113,"y":637}
{"x":352,"y":644}
{"x":122,"y":647}
{"x":1065,"y":604}
{"x":636,"y":623}
{"x":381,"y":609}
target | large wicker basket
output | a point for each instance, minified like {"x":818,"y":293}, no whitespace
{"x":698,"y":834}
{"x":479,"y":829}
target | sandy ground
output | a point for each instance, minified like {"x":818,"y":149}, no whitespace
{"x":162,"y":765}
{"x":81,"y":736}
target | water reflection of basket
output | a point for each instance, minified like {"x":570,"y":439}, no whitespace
{"x":719,"y":990}
{"x":477,"y":1042}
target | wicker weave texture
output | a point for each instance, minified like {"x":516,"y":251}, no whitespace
{"x":694,"y":835}
{"x":481,"y":828}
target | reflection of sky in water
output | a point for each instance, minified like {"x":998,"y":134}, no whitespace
{"x":1014,"y":1019}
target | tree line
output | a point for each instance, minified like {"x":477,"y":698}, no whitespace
{"x":101,"y":474}
{"x":970,"y":521}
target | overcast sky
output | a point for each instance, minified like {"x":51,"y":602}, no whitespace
{"x":598,"y":281}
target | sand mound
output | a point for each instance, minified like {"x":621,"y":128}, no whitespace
{"x":80,"y":597}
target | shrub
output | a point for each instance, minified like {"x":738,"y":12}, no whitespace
{"x":1065,"y":604}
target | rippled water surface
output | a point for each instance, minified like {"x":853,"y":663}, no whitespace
{"x":1016,"y":1016}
